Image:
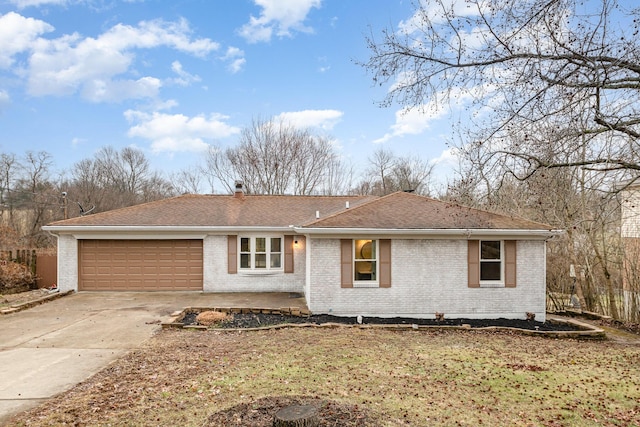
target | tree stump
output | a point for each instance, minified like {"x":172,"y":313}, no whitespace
{"x":296,"y":416}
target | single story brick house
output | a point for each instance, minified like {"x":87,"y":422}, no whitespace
{"x":398,"y":255}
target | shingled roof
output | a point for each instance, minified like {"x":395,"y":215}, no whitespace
{"x":220,"y":211}
{"x":397,"y":211}
{"x":408,"y":211}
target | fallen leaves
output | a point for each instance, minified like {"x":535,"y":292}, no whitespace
{"x":395,"y":378}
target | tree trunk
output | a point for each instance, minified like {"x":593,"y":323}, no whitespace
{"x":296,"y":416}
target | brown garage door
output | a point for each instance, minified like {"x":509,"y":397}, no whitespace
{"x":139,"y":265}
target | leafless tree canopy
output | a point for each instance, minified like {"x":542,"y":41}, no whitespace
{"x":388,"y":173}
{"x":559,"y":79}
{"x":274,"y":157}
{"x":114,"y":179}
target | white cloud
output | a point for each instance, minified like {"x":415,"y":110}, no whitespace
{"x":439,"y":12}
{"x":21,"y":4}
{"x":18,"y":34}
{"x":98,"y":90}
{"x":5,"y":100}
{"x":184,"y":78}
{"x":414,"y":121}
{"x":165,"y":105}
{"x":324,"y":119}
{"x":72,"y":63}
{"x":280,"y":17}
{"x":236,"y":58}
{"x":411,"y":122}
{"x":177,"y":132}
{"x":237,"y":65}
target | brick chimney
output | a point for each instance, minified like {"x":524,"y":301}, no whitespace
{"x":239,"y":192}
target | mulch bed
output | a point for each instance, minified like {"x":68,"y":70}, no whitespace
{"x":260,"y":413}
{"x":253,"y":320}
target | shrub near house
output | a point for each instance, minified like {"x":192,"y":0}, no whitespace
{"x":15,"y":277}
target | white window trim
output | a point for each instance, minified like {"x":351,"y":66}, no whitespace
{"x":492,"y":283}
{"x":366,"y":283}
{"x":268,"y":269}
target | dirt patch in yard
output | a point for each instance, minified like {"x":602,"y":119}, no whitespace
{"x":260,"y":413}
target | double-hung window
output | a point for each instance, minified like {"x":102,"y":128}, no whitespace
{"x":365,"y":261}
{"x":491,"y":262}
{"x":260,"y":253}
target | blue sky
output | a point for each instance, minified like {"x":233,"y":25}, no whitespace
{"x":173,"y":77}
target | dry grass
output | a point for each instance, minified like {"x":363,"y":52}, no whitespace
{"x":418,"y":378}
{"x":209,"y":318}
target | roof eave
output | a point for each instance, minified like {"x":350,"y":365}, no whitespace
{"x":450,"y":232}
{"x":93,"y":229}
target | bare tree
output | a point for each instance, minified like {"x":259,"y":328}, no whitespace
{"x":8,"y":166}
{"x":115,"y":179}
{"x":388,"y":173}
{"x":187,"y":181}
{"x":275,"y":157}
{"x":36,"y":196}
{"x":381,"y":163}
{"x":568,"y":65}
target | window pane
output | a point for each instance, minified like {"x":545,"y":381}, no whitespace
{"x":275,"y":260}
{"x":275,"y":245}
{"x":261,"y":260}
{"x":365,"y":249}
{"x":490,"y":250}
{"x":245,"y":244}
{"x":261,"y":244}
{"x":245,"y":261}
{"x":490,"y":270}
{"x":365,"y":270}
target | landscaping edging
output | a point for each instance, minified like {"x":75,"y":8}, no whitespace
{"x":584,"y":330}
{"x":25,"y":305}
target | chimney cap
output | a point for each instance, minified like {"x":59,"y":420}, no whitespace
{"x":239,"y":192}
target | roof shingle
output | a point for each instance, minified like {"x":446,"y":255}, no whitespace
{"x":401,"y":211}
{"x":221,"y":211}
{"x":406,"y":211}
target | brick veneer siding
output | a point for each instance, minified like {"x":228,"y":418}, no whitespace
{"x":428,"y":276}
{"x":67,"y":263}
{"x":217,"y":278}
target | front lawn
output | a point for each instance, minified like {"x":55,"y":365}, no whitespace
{"x":418,"y":378}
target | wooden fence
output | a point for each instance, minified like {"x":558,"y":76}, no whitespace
{"x":43,"y":263}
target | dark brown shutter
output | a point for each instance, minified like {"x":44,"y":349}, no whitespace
{"x":232,"y":254}
{"x":346,"y":263}
{"x":385,"y":263}
{"x":288,"y":254}
{"x":509,"y":263}
{"x":473,"y":263}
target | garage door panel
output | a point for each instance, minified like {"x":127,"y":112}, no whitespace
{"x":140,"y":265}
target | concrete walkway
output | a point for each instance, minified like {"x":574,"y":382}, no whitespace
{"x":48,"y":349}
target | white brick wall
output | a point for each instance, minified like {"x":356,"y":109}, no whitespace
{"x":67,"y":263}
{"x":428,"y":276}
{"x":216,"y":278}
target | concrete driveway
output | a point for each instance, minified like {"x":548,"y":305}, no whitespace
{"x":48,"y":349}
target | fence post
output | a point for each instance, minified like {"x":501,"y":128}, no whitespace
{"x":34,"y":261}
